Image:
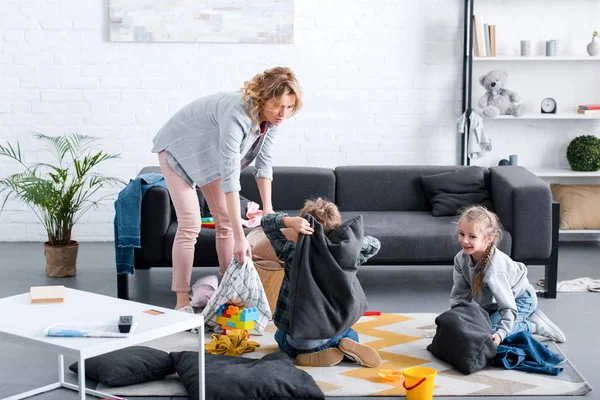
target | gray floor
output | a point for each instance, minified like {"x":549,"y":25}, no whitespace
{"x":389,"y":289}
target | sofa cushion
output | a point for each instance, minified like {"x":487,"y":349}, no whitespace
{"x":578,"y":205}
{"x":397,"y":187}
{"x":273,"y":377}
{"x":291,"y":186}
{"x":414,"y":236}
{"x":449,"y":192}
{"x":128,"y":366}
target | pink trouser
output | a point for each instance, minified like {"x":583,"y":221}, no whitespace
{"x":187,"y":208}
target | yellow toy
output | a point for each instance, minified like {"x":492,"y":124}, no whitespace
{"x":389,"y":374}
{"x":233,"y":317}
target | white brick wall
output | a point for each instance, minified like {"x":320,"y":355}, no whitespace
{"x":381,"y":80}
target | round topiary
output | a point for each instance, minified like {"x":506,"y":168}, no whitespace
{"x":583,"y":153}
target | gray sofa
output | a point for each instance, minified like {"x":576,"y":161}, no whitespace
{"x":395,"y":209}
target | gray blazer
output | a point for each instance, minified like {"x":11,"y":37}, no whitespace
{"x":212,"y":138}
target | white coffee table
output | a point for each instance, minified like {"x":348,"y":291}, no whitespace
{"x":24,"y":322}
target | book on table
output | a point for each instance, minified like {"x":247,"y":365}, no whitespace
{"x":47,"y":294}
{"x":88,"y":329}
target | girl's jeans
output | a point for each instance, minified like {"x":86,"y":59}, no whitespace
{"x":526,"y":305}
{"x":285,"y":346}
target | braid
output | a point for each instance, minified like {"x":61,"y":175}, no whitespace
{"x":478,"y":282}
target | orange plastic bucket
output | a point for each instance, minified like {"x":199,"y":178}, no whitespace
{"x":418,"y":382}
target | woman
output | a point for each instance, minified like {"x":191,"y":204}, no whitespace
{"x":207,"y":144}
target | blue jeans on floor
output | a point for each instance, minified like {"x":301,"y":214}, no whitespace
{"x":285,"y":346}
{"x":526,"y":305}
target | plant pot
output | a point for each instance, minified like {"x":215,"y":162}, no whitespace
{"x":593,"y":48}
{"x":61,"y":261}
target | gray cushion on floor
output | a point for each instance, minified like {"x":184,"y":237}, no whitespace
{"x":128,"y":366}
{"x":449,"y":192}
{"x":418,"y":236}
{"x":463,"y":338}
{"x":230,"y":378}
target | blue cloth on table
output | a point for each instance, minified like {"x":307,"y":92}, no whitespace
{"x":521,"y":351}
{"x":128,"y":210}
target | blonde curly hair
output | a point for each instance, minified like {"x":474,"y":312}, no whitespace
{"x":489,"y":225}
{"x":273,"y":83}
{"x":323,"y":211}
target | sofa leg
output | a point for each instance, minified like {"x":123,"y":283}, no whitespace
{"x":551,"y":275}
{"x":123,"y":286}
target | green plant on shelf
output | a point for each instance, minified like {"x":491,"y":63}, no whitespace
{"x":583,"y":153}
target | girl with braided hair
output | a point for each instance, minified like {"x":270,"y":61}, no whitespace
{"x":486,"y":275}
{"x":206,"y":144}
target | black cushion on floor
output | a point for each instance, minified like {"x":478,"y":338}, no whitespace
{"x":128,"y":366}
{"x":449,"y":192}
{"x":272,"y":377}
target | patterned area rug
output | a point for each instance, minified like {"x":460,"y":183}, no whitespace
{"x":401,"y":340}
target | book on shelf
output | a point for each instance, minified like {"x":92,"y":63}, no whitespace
{"x":589,"y":107}
{"x":88,"y":329}
{"x":479,"y":36}
{"x":484,"y":38}
{"x":47,"y":294}
{"x":588,"y":112}
{"x":493,"y":40}
{"x":486,"y":32}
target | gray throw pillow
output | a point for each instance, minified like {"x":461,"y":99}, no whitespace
{"x":230,"y":378}
{"x":128,"y":366}
{"x":463,"y":338}
{"x":449,"y":192}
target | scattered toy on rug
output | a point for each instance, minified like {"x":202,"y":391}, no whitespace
{"x":233,"y":317}
{"x":390,"y":375}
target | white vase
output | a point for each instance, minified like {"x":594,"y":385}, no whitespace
{"x":593,"y":48}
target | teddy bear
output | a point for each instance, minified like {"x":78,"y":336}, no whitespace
{"x":498,"y":100}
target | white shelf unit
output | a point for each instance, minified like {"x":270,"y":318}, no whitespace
{"x":566,"y":174}
{"x":538,"y":58}
{"x":563,"y":173}
{"x":558,"y":115}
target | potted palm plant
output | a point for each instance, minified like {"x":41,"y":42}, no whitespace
{"x":59,"y":194}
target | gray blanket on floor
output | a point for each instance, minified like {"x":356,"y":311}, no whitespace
{"x":326,"y":298}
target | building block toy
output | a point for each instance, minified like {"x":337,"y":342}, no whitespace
{"x":233,"y":317}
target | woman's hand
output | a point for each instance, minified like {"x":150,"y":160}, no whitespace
{"x":241,"y":249}
{"x":298,"y":224}
{"x":497,"y":339}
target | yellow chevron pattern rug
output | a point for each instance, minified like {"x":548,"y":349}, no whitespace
{"x":401,"y":340}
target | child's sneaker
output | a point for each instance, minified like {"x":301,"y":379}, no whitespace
{"x":188,"y":309}
{"x":361,"y":353}
{"x":324,"y":358}
{"x":541,"y":325}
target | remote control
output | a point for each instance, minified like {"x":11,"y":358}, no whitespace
{"x":125,"y":322}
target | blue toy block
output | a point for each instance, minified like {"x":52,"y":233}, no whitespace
{"x":231,"y":324}
{"x":220,"y":310}
{"x":249,"y":314}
